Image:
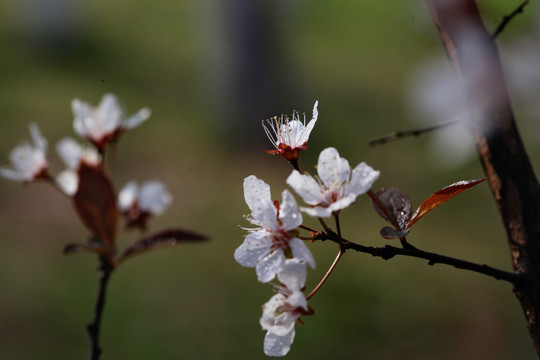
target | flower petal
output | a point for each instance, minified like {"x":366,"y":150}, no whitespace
{"x":70,"y":152}
{"x":342,"y":203}
{"x":309,"y":127}
{"x":108,"y":115}
{"x":288,"y":214}
{"x":317,"y":211}
{"x":301,"y":251}
{"x":362,"y":178}
{"x":255,"y":246}
{"x":293,"y":275}
{"x":39,"y":141}
{"x":270,"y":265}
{"x":154,"y":197}
{"x":333,"y":170}
{"x":128,"y":195}
{"x":306,"y":186}
{"x":68,"y":182}
{"x":135,"y":120}
{"x":278,"y":345}
{"x":255,"y":188}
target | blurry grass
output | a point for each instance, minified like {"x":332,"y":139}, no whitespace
{"x":194,"y":301}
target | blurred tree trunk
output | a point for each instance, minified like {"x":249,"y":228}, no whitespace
{"x":474,"y":56}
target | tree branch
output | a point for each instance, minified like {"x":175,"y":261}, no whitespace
{"x":94,"y":327}
{"x":388,"y":252}
{"x":507,"y":18}
{"x":475,"y":58}
{"x":412,"y":132}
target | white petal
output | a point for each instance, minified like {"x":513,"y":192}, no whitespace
{"x":128,"y":195}
{"x":265,"y":213}
{"x":39,"y":141}
{"x":81,"y":112}
{"x":255,"y":188}
{"x":301,"y":251}
{"x":317,"y":211}
{"x":270,"y":265}
{"x":306,"y":186}
{"x":362,"y":178}
{"x":333,"y":170}
{"x":154,"y":197}
{"x":310,"y":125}
{"x":13,"y":175}
{"x":288,"y":213}
{"x":255,"y":246}
{"x":342,"y":203}
{"x":293,"y":274}
{"x":68,"y":182}
{"x":108,"y":114}
{"x":278,"y":345}
{"x":70,"y":152}
{"x":135,"y":120}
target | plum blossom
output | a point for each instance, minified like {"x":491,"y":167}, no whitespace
{"x":105,"y":122}
{"x":72,"y":154}
{"x":29,"y":161}
{"x":282,"y":311}
{"x":290,"y":136}
{"x":336,"y":188}
{"x":267,"y":246}
{"x":139,"y":203}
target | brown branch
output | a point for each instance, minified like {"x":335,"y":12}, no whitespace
{"x":474,"y":56}
{"x":388,"y":252}
{"x":412,"y":132}
{"x":507,"y":18}
{"x":94,"y":327}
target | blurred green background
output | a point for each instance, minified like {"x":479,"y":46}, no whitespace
{"x":211,"y":71}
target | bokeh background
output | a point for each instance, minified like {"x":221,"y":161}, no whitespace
{"x":211,"y":71}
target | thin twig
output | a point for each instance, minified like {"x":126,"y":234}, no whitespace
{"x":338,"y":226}
{"x":507,"y":18}
{"x":94,"y":327}
{"x":412,"y":132}
{"x":332,"y":267}
{"x":389,"y":252}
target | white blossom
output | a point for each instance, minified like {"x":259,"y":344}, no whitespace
{"x":282,"y":311}
{"x":105,"y":122}
{"x":72,"y":154}
{"x":264,"y":246}
{"x":29,"y":161}
{"x":290,"y":136}
{"x":151,"y":197}
{"x":337,"y":186}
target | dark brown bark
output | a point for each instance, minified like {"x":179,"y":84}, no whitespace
{"x":474,"y":56}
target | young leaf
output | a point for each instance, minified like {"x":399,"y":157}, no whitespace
{"x":165,"y":238}
{"x":390,"y":233}
{"x":397,"y":206}
{"x":440,"y":197}
{"x":95,"y":203}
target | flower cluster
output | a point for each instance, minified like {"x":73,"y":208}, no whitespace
{"x":100,"y":126}
{"x":274,"y":246}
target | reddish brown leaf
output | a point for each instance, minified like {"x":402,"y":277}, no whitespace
{"x":397,"y":206}
{"x":390,"y":233}
{"x":440,"y":197}
{"x":95,"y":203}
{"x":165,"y":238}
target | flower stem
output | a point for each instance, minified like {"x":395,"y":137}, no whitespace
{"x":323,"y":223}
{"x":338,"y":227}
{"x":305,"y":227}
{"x":332,"y":267}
